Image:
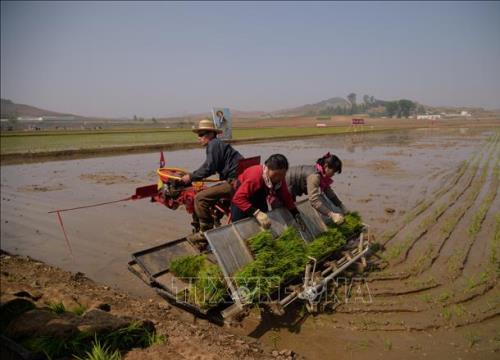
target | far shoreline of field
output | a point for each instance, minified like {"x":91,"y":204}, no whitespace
{"x":13,"y":158}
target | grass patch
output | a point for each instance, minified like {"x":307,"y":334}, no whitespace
{"x":100,"y":352}
{"x":57,"y":308}
{"x":78,"y":309}
{"x":68,"y":140}
{"x":105,"y":346}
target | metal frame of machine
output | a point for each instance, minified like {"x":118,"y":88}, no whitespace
{"x":230,"y":252}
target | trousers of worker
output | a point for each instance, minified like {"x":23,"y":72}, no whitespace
{"x":205,"y":200}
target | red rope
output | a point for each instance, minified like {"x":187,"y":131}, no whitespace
{"x":59,"y":211}
{"x":65,"y":235}
{"x":88,"y":206}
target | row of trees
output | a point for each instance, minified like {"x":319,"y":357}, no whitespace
{"x":373,"y":106}
{"x":141,"y":119}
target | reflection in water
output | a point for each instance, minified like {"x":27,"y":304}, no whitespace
{"x":365,"y":141}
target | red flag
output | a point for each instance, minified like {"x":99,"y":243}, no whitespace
{"x":162,"y":159}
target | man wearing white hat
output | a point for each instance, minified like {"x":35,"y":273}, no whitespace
{"x":221,"y":158}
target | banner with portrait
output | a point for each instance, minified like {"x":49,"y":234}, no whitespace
{"x":223,"y":121}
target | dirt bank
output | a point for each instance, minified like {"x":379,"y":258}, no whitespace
{"x":186,"y":337}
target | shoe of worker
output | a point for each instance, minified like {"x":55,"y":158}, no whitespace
{"x":198,"y":240}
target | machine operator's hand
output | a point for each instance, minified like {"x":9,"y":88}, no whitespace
{"x":336,"y":218}
{"x":262,"y":219}
{"x":186,"y":179}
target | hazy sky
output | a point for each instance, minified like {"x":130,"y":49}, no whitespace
{"x":156,"y":59}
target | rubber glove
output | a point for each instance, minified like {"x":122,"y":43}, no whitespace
{"x":262,"y":219}
{"x":336,"y":218}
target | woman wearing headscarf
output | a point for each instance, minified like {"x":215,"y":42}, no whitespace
{"x":314,"y":180}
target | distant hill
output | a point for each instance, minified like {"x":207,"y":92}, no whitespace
{"x":316,"y":108}
{"x":11,"y":109}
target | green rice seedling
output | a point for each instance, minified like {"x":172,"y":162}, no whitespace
{"x":274,"y":261}
{"x":458,"y":310}
{"x":395,"y":250}
{"x":209,"y":287}
{"x":455,"y":262}
{"x":260,"y":241}
{"x":187,"y":266}
{"x":426,"y":298}
{"x":387,"y":344}
{"x":475,"y":281}
{"x":472,"y":338}
{"x":352,"y":224}
{"x":444,"y":296}
{"x":495,"y":242}
{"x":428,"y":282}
{"x":326,"y":243}
{"x":446,"y":314}
{"x":363,"y":344}
{"x":423,"y":260}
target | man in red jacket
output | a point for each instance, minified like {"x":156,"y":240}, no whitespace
{"x":260,"y":185}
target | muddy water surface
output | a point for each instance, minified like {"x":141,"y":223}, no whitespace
{"x":381,"y":171}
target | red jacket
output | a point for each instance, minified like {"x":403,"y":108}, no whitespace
{"x":250,"y":182}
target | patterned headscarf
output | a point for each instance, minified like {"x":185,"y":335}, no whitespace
{"x":325,"y":180}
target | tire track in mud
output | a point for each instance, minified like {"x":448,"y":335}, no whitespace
{"x":428,"y":222}
{"x":467,"y":300}
{"x":424,"y":204}
{"x":487,"y":206}
{"x":446,"y":231}
{"x":398,"y":253}
{"x":459,"y":260}
{"x":449,"y":226}
{"x":423,"y":264}
{"x":460,"y":291}
{"x":477,"y":310}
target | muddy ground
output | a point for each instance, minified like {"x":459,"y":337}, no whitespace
{"x":185,"y":336}
{"x":434,"y":291}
